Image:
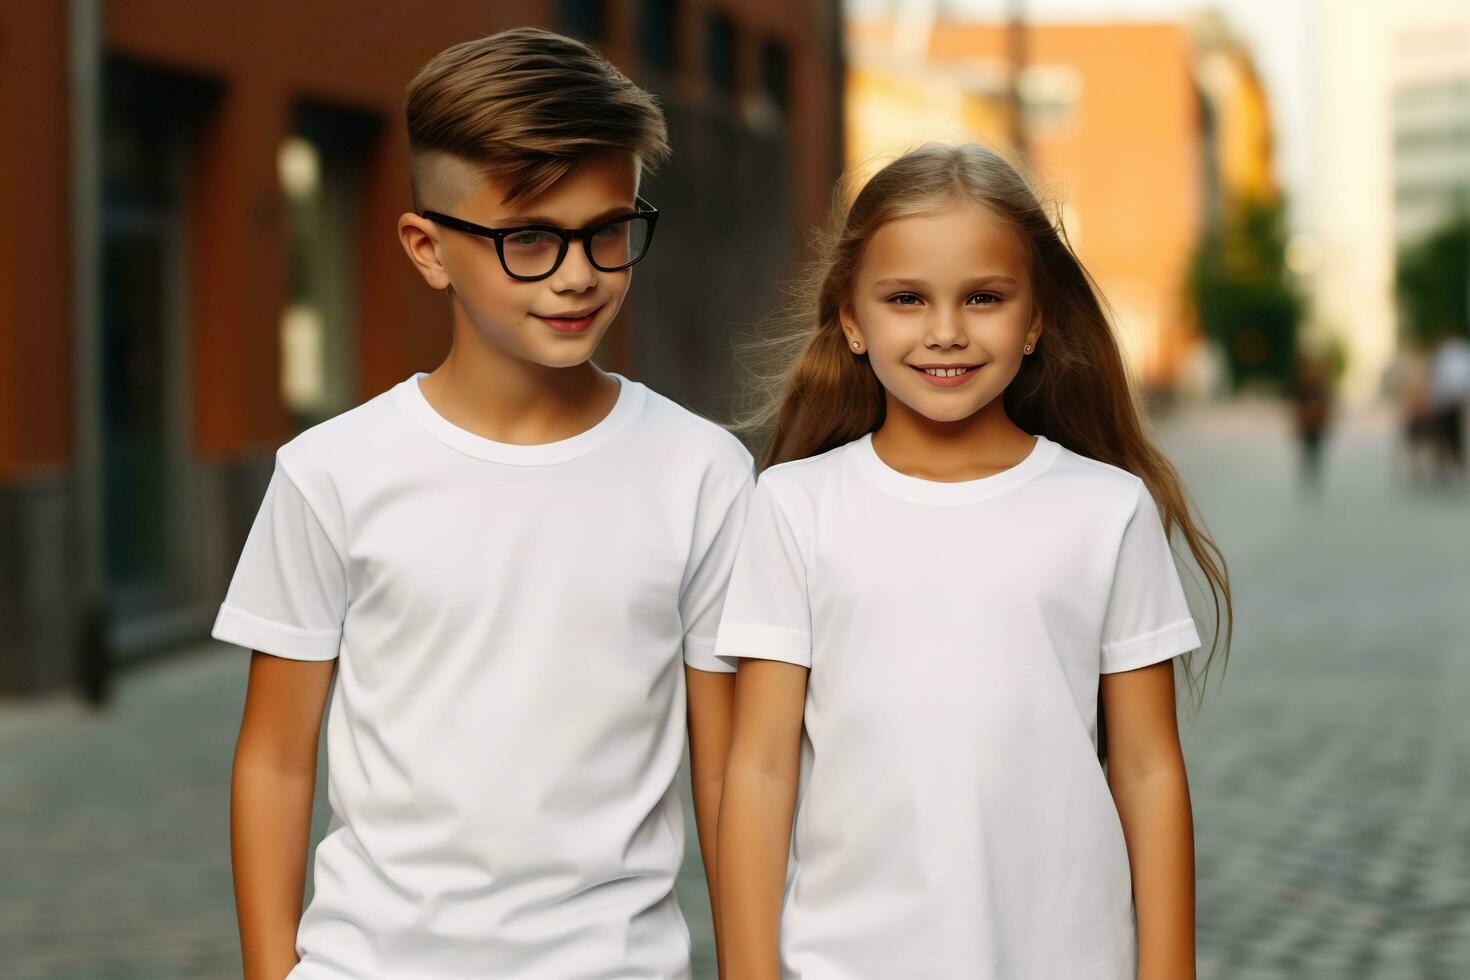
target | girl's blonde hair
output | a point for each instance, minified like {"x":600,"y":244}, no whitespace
{"x":1073,"y":389}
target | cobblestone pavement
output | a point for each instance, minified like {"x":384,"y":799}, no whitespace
{"x":1330,"y":772}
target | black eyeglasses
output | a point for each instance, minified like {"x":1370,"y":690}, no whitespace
{"x":532,"y":252}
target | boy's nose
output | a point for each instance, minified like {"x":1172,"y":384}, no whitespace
{"x":576,"y":274}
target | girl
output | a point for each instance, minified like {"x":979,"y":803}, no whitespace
{"x":955,"y":566}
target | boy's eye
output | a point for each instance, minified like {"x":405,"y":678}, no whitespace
{"x":529,"y":239}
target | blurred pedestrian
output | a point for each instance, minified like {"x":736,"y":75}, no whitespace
{"x":1311,"y":397}
{"x":1408,"y":384}
{"x":1449,"y":391}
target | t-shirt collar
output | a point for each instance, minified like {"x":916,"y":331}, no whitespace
{"x":410,"y":398}
{"x":871,"y":468}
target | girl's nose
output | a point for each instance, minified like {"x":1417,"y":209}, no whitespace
{"x":945,"y":330}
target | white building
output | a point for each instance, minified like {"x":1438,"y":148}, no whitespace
{"x":1431,"y":126}
{"x":1391,"y":143}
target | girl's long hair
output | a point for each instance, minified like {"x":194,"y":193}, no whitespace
{"x":815,"y":394}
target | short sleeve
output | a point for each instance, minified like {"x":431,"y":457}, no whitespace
{"x":767,"y":612}
{"x":1148,"y":617}
{"x":288,"y":596}
{"x":704,"y":594}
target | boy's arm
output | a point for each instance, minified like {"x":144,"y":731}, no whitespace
{"x":271,"y":789}
{"x":755,"y":814}
{"x":1150,"y":788}
{"x":711,"y":711}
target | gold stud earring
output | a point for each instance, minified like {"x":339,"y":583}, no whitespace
{"x":856,"y":345}
{"x":1028,"y":348}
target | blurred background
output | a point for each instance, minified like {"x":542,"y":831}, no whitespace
{"x":1274,"y":196}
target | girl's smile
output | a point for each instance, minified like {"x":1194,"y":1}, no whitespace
{"x":947,"y":375}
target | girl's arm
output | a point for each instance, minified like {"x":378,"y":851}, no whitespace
{"x":1146,"y":775}
{"x":711,"y":709}
{"x":271,"y":789}
{"x":755,"y":814}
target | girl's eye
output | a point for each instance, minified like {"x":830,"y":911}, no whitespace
{"x":903,"y":299}
{"x":989,"y":296}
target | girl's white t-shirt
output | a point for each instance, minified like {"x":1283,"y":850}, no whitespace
{"x":511,"y":625}
{"x":952,"y":818}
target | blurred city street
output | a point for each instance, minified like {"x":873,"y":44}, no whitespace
{"x":1329,"y":772}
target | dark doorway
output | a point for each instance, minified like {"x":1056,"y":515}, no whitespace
{"x":149,"y":121}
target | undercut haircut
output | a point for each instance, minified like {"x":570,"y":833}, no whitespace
{"x":522,"y":107}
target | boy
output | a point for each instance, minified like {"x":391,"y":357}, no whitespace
{"x":515,"y":564}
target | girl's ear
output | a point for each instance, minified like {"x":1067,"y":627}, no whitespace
{"x":1033,"y":332}
{"x":850,"y":328}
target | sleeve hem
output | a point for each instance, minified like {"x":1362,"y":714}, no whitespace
{"x":739,"y":641}
{"x":699,"y":653}
{"x":251,"y":631}
{"x":1150,"y":648}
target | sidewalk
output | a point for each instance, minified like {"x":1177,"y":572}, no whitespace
{"x":1328,"y":777}
{"x":114,"y":828}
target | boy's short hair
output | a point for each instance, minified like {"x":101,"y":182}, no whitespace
{"x":524,"y":107}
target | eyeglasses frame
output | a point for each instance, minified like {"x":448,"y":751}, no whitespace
{"x":642,"y":209}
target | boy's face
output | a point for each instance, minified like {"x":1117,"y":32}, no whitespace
{"x":554,"y":322}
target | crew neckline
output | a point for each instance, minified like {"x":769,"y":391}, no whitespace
{"x":919,"y":490}
{"x":410,"y":397}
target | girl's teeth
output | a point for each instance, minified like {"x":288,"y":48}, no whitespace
{"x":944,"y":372}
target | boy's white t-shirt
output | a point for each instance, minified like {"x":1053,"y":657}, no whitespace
{"x":511,"y":625}
{"x":952,"y":818}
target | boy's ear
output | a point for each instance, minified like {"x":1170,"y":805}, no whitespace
{"x":419,"y":238}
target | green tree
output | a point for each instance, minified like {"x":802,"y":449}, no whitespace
{"x":1433,"y":282}
{"x":1242,"y":292}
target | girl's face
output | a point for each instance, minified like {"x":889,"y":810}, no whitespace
{"x":942,"y":305}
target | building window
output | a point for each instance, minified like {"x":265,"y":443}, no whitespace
{"x":1447,"y":138}
{"x":151,"y":121}
{"x":1049,"y":95}
{"x":585,"y":19}
{"x":776,"y":74}
{"x":719,"y":53}
{"x":320,"y":168}
{"x":658,"y":34}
